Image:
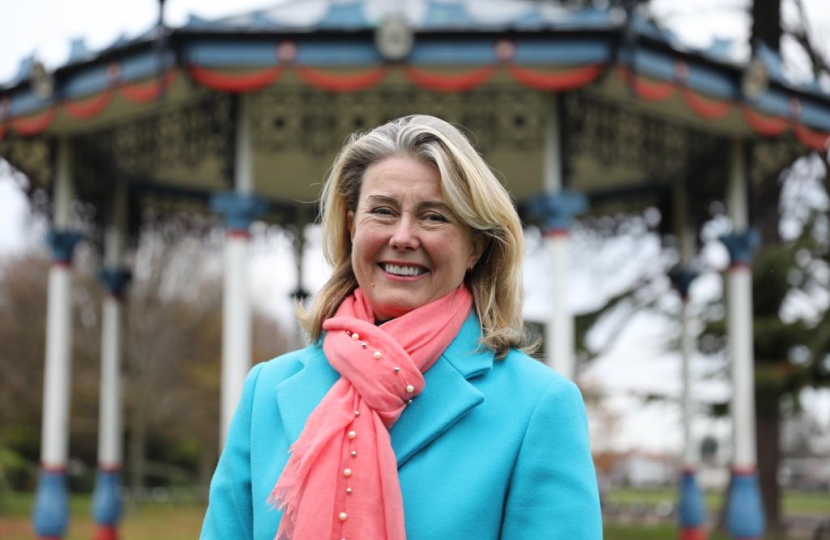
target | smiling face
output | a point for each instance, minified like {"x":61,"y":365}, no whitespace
{"x":408,"y":248}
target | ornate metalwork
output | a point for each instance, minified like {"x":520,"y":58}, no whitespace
{"x":618,"y":134}
{"x":318,"y":122}
{"x":32,"y":157}
{"x":770,"y":156}
{"x":499,"y":116}
{"x":182,"y":136}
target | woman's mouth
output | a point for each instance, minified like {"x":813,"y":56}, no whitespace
{"x":402,"y":270}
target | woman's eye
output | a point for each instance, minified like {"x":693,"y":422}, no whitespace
{"x":382,"y":211}
{"x":437,"y":218}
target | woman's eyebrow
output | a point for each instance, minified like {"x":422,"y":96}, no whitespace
{"x":381,"y":199}
{"x":434,"y":205}
{"x":422,"y":205}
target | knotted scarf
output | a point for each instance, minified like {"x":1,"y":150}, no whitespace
{"x":341,"y":480}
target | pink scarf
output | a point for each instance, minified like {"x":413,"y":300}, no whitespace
{"x":341,"y":480}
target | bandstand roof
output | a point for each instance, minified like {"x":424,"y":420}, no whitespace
{"x":639,"y":109}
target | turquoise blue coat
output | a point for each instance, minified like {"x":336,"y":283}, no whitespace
{"x":490,"y":450}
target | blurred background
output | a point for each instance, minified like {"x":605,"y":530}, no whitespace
{"x":621,"y":137}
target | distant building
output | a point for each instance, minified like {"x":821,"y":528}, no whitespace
{"x":645,"y":469}
{"x":807,"y":473}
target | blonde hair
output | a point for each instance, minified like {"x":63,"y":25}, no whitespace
{"x":473,"y":193}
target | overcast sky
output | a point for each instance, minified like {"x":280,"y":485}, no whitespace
{"x":46,"y":28}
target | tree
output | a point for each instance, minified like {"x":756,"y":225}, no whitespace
{"x":171,"y":354}
{"x":173,"y":349}
{"x":23,"y":281}
{"x":22,"y":327}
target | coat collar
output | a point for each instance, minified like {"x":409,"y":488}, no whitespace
{"x":447,"y":396}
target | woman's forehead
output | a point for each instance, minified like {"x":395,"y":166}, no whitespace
{"x":402,"y":178}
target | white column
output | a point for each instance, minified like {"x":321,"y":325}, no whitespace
{"x":686,"y":247}
{"x":745,"y":511}
{"x":686,"y":352}
{"x":55,"y":435}
{"x":111,"y":407}
{"x":58,"y":370}
{"x":740,"y":342}
{"x":109,"y":436}
{"x":236,"y":325}
{"x":298,"y":340}
{"x":236,"y":322}
{"x":739,"y":318}
{"x":560,"y":328}
{"x":559,"y":332}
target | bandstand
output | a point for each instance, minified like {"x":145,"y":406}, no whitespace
{"x":580,"y":110}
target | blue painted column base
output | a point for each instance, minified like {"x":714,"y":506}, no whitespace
{"x":106,"y":503}
{"x":692,"y":511}
{"x":115,"y":280}
{"x":239,"y":210}
{"x":745,"y":512}
{"x":741,"y":246}
{"x":50,"y":514}
{"x":557,"y":211}
{"x":681,"y":278}
{"x":62,"y":244}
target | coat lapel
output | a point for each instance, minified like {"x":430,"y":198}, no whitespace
{"x":299,"y":394}
{"x":447,"y":397}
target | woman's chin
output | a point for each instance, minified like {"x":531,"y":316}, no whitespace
{"x":392,"y":308}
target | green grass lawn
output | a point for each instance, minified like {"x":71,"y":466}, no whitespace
{"x":180,"y":521}
{"x":657,"y":532}
{"x":149,"y":521}
{"x":794,"y":503}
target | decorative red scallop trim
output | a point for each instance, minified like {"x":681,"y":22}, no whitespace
{"x":235,"y":82}
{"x":83,"y":110}
{"x":32,"y":125}
{"x":342,"y":83}
{"x":648,"y":89}
{"x":444,"y":82}
{"x":765,"y":125}
{"x":142,"y":93}
{"x":557,"y":81}
{"x":817,"y":140}
{"x":706,"y":107}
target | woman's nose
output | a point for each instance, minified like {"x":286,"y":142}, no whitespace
{"x":404,"y":235}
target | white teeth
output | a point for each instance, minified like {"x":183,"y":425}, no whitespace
{"x":403,"y":270}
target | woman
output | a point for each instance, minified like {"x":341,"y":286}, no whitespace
{"x":414,"y":414}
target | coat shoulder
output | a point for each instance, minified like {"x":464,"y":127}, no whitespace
{"x":532,"y":375}
{"x":278,"y":369}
